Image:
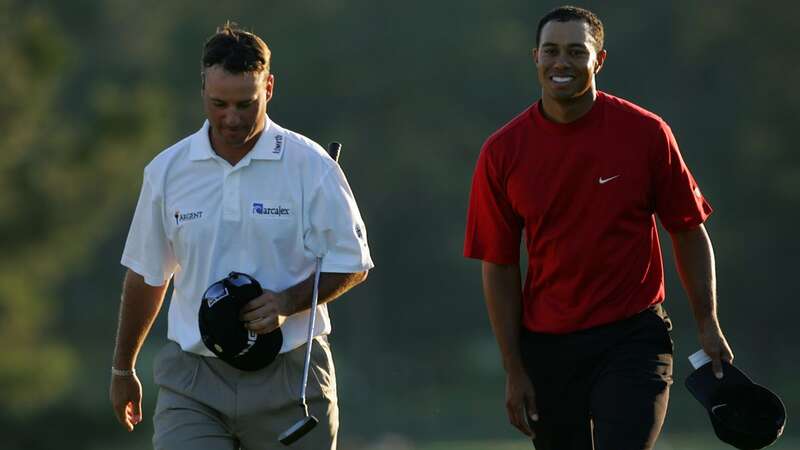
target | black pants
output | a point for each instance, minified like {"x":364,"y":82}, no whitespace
{"x":604,"y":388}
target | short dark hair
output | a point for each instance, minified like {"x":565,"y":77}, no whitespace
{"x":569,"y":13}
{"x":237,"y":50}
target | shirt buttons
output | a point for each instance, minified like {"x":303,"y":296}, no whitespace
{"x":230,"y":196}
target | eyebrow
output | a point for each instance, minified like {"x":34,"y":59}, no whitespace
{"x":214,"y":99}
{"x":572,"y":45}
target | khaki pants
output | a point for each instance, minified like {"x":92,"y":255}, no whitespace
{"x":205,"y":404}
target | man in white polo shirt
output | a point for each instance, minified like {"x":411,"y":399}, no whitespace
{"x":242,"y":194}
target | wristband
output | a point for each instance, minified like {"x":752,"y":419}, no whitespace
{"x":123,"y":373}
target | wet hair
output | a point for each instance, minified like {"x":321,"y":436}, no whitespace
{"x":236,"y":50}
{"x":569,"y":13}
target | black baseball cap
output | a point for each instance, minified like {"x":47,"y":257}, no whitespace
{"x":225,"y":335}
{"x":744,"y":414}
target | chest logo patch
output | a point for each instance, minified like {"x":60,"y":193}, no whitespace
{"x":602,"y":180}
{"x":181,"y":217}
{"x":276,"y":211}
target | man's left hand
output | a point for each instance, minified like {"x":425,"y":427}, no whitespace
{"x":716,"y":347}
{"x":264,"y":313}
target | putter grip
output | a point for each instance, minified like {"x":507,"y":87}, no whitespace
{"x":334,"y":149}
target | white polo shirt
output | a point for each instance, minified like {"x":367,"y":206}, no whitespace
{"x":199,"y":218}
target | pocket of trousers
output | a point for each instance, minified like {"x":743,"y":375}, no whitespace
{"x":322,"y":368}
{"x":663,"y":324}
{"x":175,"y":369}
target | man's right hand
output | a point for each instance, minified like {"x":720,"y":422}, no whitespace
{"x":521,"y":401}
{"x":126,"y":399}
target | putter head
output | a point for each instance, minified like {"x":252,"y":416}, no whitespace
{"x":298,"y":430}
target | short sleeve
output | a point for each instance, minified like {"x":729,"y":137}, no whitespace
{"x":679,"y":203}
{"x":148,"y":251}
{"x":336,"y":229}
{"x":493,"y":227}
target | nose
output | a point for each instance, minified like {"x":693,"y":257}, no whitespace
{"x":560,"y":61}
{"x":231,"y":119}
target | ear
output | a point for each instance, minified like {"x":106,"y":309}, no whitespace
{"x":601,"y":58}
{"x":535,"y":54}
{"x":270,"y":86}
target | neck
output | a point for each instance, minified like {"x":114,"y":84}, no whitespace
{"x":568,"y":110}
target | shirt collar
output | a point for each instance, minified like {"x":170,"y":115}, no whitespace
{"x":270,"y":144}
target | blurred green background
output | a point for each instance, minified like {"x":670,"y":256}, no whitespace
{"x":91,"y":90}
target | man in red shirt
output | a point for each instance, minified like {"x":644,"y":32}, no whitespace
{"x":585,"y":342}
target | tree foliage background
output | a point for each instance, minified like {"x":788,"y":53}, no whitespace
{"x":91,"y":90}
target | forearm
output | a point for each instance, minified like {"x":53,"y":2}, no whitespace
{"x":331,"y":286}
{"x":694,"y":259}
{"x":139,"y":307}
{"x":502,"y":290}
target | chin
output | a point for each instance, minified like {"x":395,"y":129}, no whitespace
{"x":562,"y":96}
{"x":568,"y":95}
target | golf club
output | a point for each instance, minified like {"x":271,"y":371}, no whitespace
{"x":308,"y":422}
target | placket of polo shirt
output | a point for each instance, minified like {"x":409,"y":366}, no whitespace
{"x":231,"y":208}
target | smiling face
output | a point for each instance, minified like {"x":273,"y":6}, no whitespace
{"x":236,"y":106}
{"x":567,"y":60}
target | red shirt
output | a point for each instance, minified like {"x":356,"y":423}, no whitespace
{"x":585,"y":194}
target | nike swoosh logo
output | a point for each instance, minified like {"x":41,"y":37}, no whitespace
{"x":716,"y":407}
{"x":602,"y":180}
